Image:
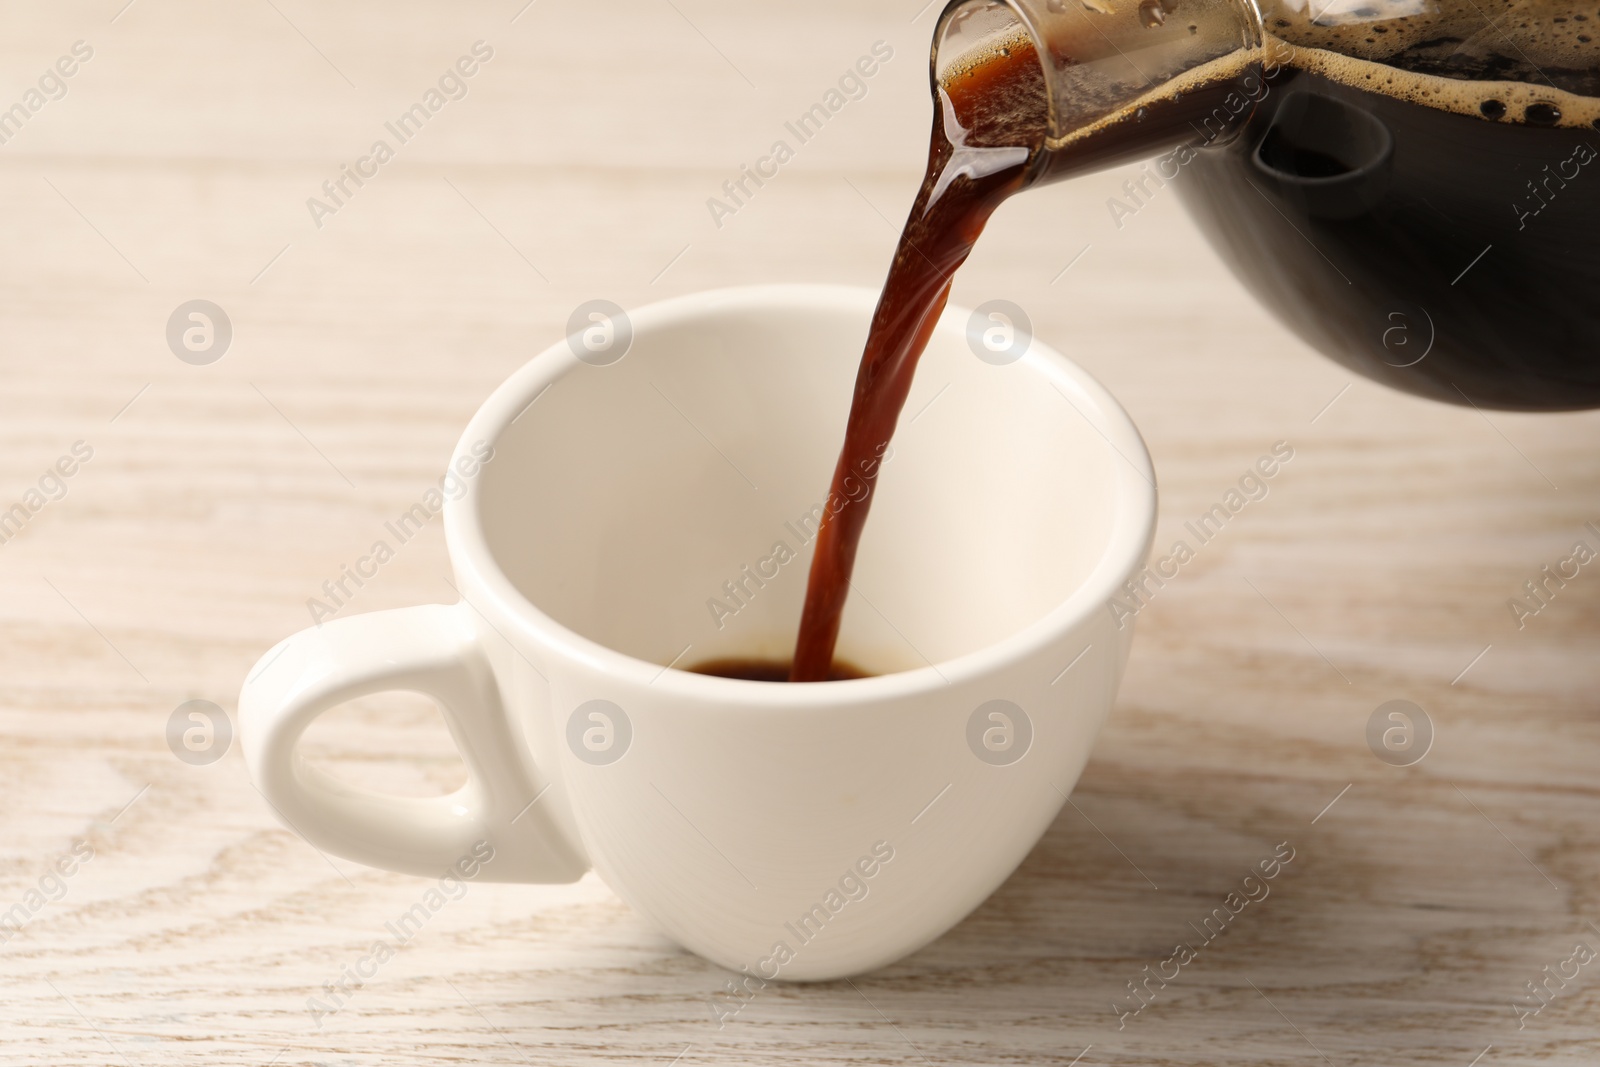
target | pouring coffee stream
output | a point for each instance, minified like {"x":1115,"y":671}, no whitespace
{"x":987,"y":132}
{"x":1390,"y":177}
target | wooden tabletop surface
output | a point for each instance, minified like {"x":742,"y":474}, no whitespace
{"x":193,"y":928}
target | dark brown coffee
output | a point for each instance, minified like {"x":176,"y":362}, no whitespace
{"x":989,"y":143}
{"x":1413,"y":189}
{"x":990,"y":121}
{"x":771,"y":670}
{"x":1450,"y":254}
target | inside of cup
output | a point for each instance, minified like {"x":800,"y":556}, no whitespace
{"x":665,"y":505}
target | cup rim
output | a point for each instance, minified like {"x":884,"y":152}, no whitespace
{"x":1128,"y":543}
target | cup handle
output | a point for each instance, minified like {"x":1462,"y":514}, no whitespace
{"x":434,"y":650}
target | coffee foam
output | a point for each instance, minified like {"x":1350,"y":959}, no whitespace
{"x":1428,"y":90}
{"x":1389,"y":46}
{"x":996,"y":48}
{"x":1545,"y":42}
{"x":1454,"y":55}
{"x":1476,"y":98}
{"x":1010,"y":113}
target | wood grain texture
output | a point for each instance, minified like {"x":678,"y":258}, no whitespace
{"x":178,"y":165}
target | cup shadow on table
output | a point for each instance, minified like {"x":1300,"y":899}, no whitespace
{"x":1053,"y":950}
{"x":1351,"y":953}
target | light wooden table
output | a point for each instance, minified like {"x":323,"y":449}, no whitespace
{"x":220,"y":497}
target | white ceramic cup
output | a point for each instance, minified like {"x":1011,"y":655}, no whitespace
{"x":797,"y":831}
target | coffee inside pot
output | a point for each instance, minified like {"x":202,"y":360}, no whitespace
{"x":1410,"y":185}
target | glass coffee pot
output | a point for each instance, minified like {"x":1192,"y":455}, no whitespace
{"x":1412,"y":186}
